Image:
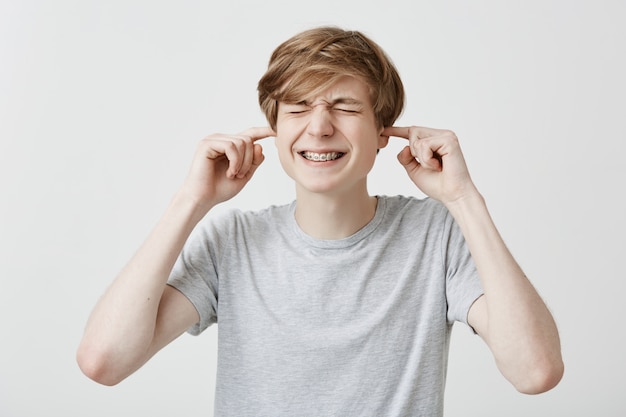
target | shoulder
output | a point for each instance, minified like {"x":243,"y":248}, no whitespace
{"x":231,"y":221}
{"x":409,"y":207}
{"x":226,"y":229}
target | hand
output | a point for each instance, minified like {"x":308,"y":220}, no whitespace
{"x":223,"y":165}
{"x":434,"y":162}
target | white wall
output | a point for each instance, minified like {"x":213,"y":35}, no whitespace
{"x":102,"y":104}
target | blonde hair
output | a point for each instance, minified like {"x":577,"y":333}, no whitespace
{"x":312,"y":60}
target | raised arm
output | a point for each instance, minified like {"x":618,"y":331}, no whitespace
{"x":139,"y":314}
{"x":511,"y":316}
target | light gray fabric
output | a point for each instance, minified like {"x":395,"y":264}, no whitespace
{"x":352,"y":327}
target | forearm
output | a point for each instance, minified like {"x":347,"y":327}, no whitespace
{"x":516,"y":323}
{"x":121,"y":328}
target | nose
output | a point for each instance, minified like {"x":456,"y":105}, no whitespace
{"x":320,"y":123}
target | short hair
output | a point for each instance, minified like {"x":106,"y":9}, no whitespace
{"x":311,"y":61}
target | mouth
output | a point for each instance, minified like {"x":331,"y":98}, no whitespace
{"x":321,"y":157}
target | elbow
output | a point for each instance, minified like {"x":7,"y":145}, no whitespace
{"x":95,"y":365}
{"x":542,"y":377}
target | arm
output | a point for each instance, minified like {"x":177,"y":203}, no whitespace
{"x":510,"y":316}
{"x":139,"y":314}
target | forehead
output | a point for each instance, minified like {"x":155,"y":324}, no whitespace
{"x":346,"y":89}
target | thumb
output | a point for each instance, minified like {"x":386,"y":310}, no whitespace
{"x":408,"y":161}
{"x":257,"y":159}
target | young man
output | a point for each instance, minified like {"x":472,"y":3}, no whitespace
{"x":341,"y":303}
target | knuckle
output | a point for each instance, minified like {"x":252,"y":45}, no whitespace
{"x":450,"y":134}
{"x":242,"y":142}
{"x":230,"y":147}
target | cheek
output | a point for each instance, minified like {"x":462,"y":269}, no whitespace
{"x":279,"y":142}
{"x":285,"y":155}
{"x":283,"y":148}
{"x":281,"y":134}
{"x":287,"y":132}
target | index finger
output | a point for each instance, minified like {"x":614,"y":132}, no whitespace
{"x":257,"y":133}
{"x":410,"y":131}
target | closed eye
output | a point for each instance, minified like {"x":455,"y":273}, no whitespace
{"x":296,"y":108}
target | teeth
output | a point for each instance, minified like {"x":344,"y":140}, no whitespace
{"x":329,"y":156}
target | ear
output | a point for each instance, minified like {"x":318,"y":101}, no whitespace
{"x":382,"y":139}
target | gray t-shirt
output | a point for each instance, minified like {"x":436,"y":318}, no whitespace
{"x":351,"y":327}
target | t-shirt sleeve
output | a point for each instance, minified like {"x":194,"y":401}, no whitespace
{"x":195,"y":273}
{"x":463,"y":285}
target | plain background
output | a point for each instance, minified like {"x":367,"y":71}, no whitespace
{"x":103,"y":103}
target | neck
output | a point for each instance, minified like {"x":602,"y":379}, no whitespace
{"x":324,"y":216}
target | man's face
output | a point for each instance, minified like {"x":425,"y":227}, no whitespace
{"x":329,"y":143}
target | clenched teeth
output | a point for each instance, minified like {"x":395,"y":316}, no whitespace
{"x":314,"y":156}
